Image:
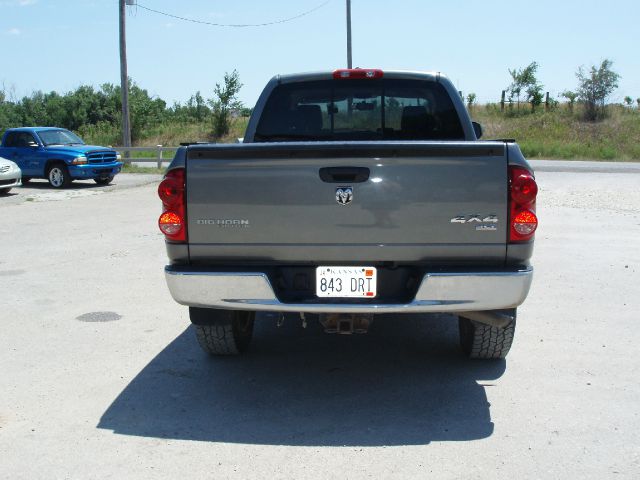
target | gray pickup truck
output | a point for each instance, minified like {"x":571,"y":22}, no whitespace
{"x":354,"y":193}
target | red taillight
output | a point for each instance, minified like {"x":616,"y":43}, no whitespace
{"x":357,"y":73}
{"x":170,"y":223}
{"x":525,"y":222}
{"x":523,"y":190}
{"x":171,"y":192}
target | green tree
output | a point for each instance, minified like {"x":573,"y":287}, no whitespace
{"x":595,"y":86}
{"x":146,"y":111}
{"x":571,"y":97}
{"x":224,"y":102}
{"x":198,"y":107}
{"x":534,"y":95}
{"x":471,"y":100}
{"x":32,"y":110}
{"x":524,"y":81}
{"x":8,"y":114}
{"x":195,"y":110}
{"x":628,"y":101}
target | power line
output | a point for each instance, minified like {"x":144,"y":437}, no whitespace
{"x":235,"y":25}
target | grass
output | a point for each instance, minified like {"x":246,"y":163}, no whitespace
{"x":137,"y":169}
{"x":561,"y":134}
{"x":557,"y":134}
{"x":169,"y":135}
{"x":166,"y":134}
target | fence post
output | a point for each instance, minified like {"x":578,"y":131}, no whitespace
{"x":502,"y":101}
{"x":159,"y":156}
{"x":546,"y":102}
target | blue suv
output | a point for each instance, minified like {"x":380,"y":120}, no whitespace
{"x":58,"y":155}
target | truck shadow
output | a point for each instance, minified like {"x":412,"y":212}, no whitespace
{"x":404,"y":383}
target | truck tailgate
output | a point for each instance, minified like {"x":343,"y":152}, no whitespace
{"x":431,"y":202}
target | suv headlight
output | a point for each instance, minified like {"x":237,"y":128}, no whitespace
{"x":118,"y":156}
{"x":80,"y":160}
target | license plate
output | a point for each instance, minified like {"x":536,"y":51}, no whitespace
{"x":346,"y":282}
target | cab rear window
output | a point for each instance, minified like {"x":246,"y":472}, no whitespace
{"x":386,"y":109}
{"x":18,"y":139}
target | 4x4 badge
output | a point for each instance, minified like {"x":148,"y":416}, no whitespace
{"x":344,"y":195}
{"x":475,"y":218}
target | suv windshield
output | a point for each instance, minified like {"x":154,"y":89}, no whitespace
{"x":59,"y":137}
{"x":386,"y":109}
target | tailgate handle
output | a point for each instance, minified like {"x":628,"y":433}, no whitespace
{"x":344,"y":174}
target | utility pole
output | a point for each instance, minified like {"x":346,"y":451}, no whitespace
{"x":349,"y":62}
{"x":124,"y":78}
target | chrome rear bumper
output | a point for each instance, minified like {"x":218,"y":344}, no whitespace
{"x":438,"y":292}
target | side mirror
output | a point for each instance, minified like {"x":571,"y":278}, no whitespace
{"x":32,"y":144}
{"x":478,"y":129}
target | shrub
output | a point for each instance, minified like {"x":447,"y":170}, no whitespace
{"x":595,"y":86}
{"x":224,"y":102}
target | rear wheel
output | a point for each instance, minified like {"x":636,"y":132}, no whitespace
{"x":479,"y":340}
{"x":58,"y":176}
{"x":103,"y":181}
{"x":222,"y":332}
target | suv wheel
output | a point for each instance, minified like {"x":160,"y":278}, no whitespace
{"x":103,"y":181}
{"x":58,"y":176}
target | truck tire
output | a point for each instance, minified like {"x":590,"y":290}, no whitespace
{"x":479,"y":340}
{"x":58,"y":176}
{"x":222,"y":332}
{"x":103,"y":181}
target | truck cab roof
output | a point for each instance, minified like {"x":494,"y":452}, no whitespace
{"x":329,"y":74}
{"x":34,"y":129}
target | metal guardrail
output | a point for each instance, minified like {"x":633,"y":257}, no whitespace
{"x":158,"y":150}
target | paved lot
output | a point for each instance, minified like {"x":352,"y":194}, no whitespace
{"x":40,"y":191}
{"x":100,"y":376}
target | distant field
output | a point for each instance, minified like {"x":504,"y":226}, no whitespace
{"x":166,"y":134}
{"x":556,"y":134}
{"x":560,"y":134}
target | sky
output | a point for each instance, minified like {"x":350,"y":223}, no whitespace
{"x":59,"y":45}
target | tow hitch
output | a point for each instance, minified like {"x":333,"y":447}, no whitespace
{"x":346,"y":324}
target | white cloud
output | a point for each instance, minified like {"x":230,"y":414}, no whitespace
{"x":13,"y":31}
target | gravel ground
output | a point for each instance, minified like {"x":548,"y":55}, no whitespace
{"x":40,"y":191}
{"x":101,"y":376}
